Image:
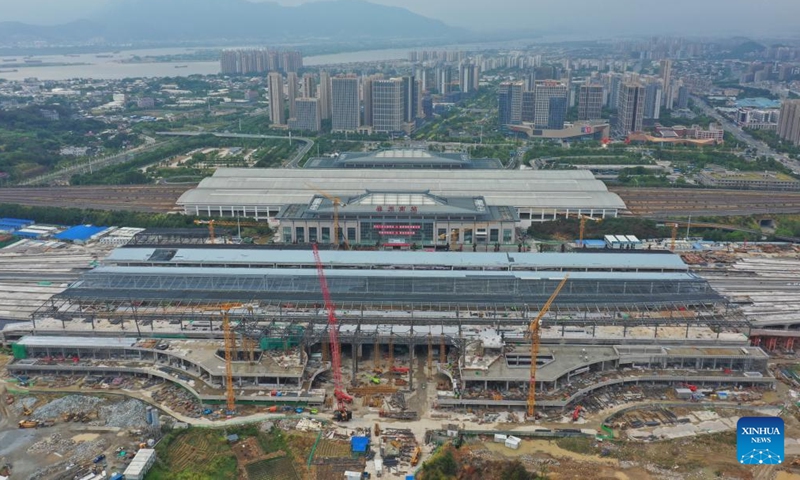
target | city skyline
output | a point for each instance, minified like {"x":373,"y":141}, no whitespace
{"x":618,"y":17}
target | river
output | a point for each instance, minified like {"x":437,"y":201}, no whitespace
{"x":109,"y":66}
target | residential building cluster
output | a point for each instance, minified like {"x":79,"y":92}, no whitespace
{"x":259,"y":60}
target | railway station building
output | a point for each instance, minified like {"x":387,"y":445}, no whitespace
{"x":536,"y":195}
{"x":399,"y":219}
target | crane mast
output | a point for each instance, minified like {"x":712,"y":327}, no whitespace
{"x":230,"y":397}
{"x":336,"y":352}
{"x":536,"y":337}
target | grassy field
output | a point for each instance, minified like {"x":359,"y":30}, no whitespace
{"x":197,"y":454}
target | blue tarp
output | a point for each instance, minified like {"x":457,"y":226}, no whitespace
{"x":81,"y":232}
{"x":359,"y":444}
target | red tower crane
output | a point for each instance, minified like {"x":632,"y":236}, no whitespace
{"x":342,"y":398}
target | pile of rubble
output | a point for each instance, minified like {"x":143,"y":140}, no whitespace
{"x":179,"y":400}
{"x":128,"y":414}
{"x":22,"y":404}
{"x":54,"y":444}
{"x":69,"y":405}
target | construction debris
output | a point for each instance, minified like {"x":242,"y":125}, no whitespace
{"x":69,"y":405}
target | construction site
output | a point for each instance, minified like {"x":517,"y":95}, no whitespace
{"x":542,"y":345}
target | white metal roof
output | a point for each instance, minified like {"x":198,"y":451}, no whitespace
{"x":76,"y":342}
{"x":518,"y":188}
{"x":627,"y":261}
{"x":447,"y":274}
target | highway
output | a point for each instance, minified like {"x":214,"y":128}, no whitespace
{"x":293,"y":163}
{"x":761,"y":148}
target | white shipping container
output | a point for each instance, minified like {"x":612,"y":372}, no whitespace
{"x":500,"y":438}
{"x":513,"y":442}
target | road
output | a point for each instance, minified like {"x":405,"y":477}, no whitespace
{"x":293,"y":163}
{"x":761,"y":148}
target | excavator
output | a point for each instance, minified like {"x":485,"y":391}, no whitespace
{"x":577,"y":413}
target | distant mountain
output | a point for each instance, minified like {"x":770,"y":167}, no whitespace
{"x":197,"y":20}
{"x":16,"y":32}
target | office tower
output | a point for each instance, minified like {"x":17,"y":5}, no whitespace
{"x":613,"y":96}
{"x":309,"y":86}
{"x":291,"y":92}
{"x":345,"y":105}
{"x":276,"y":105}
{"x":789,"y":122}
{"x":387,"y":105}
{"x":229,"y":63}
{"x":307,"y":117}
{"x":683,"y":97}
{"x":324,"y":95}
{"x":366,"y":87}
{"x":291,"y":61}
{"x":557,"y":113}
{"x":590,"y":102}
{"x":413,"y":56}
{"x":528,"y":106}
{"x":544,"y":90}
{"x":469,"y":77}
{"x":427,"y":107}
{"x":666,"y":80}
{"x":444,"y":79}
{"x":509,"y":102}
{"x":652,"y":100}
{"x":631,"y":108}
{"x":410,"y":99}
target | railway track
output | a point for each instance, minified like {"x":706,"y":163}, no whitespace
{"x":673,"y":202}
{"x":138,"y":198}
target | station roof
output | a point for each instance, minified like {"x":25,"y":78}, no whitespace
{"x":401,"y":259}
{"x":404,"y":158}
{"x":400,"y":205}
{"x":238,"y":187}
{"x":298,"y":273}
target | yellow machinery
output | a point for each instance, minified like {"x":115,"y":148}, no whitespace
{"x":337,"y":202}
{"x":536,"y":337}
{"x":415,"y":456}
{"x":230,"y":347}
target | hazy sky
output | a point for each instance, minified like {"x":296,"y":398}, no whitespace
{"x":604,"y":17}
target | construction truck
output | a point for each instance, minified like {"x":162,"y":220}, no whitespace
{"x":26,"y":411}
{"x":28,"y":424}
{"x":342,"y":414}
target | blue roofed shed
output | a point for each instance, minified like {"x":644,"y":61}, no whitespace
{"x":359,"y":444}
{"x":81,"y":233}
